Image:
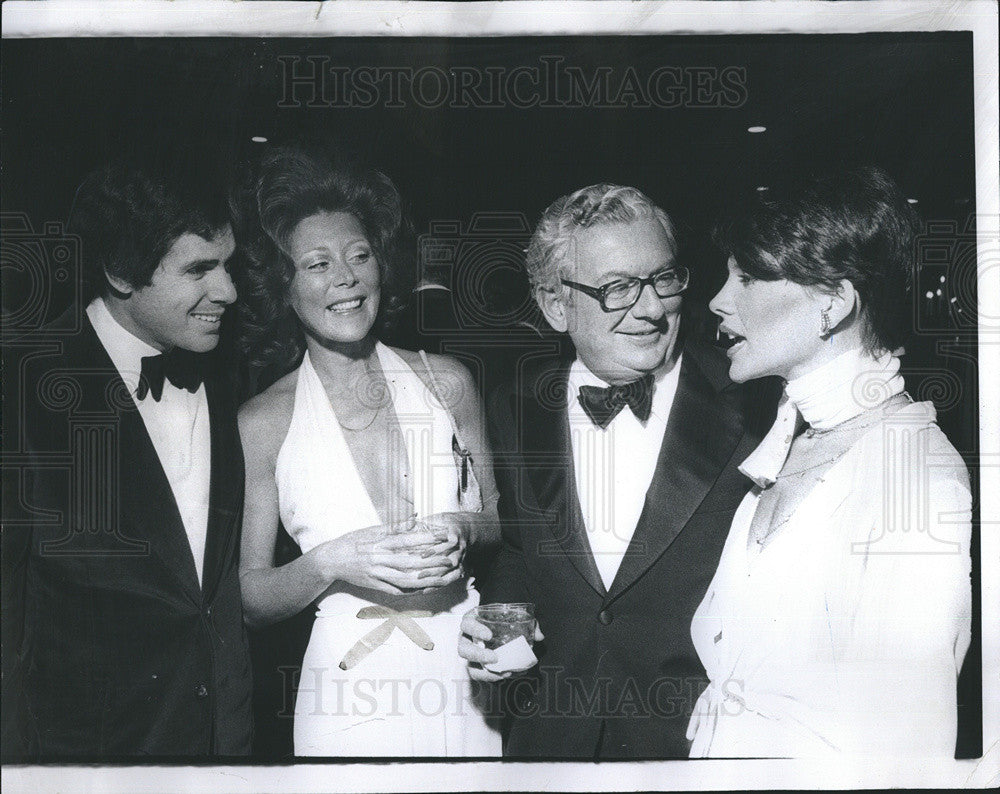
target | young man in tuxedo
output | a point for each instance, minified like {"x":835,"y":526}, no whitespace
{"x":618,"y":483}
{"x":123,"y":623}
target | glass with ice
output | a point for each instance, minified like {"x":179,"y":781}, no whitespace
{"x":513,"y":629}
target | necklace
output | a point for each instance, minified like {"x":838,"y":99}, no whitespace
{"x":761,"y":535}
{"x":371,"y":385}
{"x":870,"y":417}
{"x":365,"y":427}
{"x":834,"y":459}
{"x":859,"y":425}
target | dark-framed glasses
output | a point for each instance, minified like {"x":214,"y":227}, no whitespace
{"x":624,"y":293}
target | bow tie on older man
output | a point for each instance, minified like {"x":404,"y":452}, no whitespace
{"x":603,"y":404}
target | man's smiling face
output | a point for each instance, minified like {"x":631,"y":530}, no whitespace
{"x":620,"y":346}
{"x":183,"y":304}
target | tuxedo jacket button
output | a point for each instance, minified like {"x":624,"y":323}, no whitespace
{"x":605,"y":616}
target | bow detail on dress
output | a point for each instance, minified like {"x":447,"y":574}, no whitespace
{"x":377,"y":636}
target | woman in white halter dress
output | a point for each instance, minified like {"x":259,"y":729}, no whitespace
{"x":399,"y":700}
{"x":840,"y":613}
{"x":374,"y":461}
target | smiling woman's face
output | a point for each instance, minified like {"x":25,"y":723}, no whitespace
{"x":776,"y":325}
{"x":335,"y":289}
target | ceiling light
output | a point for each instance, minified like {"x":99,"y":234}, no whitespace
{"x":259,"y":139}
{"x":912,"y":201}
{"x":762,"y":188}
{"x":757,"y":129}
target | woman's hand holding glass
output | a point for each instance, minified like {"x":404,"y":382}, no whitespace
{"x":395,"y":558}
{"x":458,"y":528}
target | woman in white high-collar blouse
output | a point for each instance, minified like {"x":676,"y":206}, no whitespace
{"x":839,"y":615}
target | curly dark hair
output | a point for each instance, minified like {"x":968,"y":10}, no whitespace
{"x":854,"y":225}
{"x":128,"y":214}
{"x":290,"y":183}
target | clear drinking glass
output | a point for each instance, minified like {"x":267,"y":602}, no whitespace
{"x":507,"y":622}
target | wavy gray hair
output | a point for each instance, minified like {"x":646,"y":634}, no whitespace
{"x":589,"y":206}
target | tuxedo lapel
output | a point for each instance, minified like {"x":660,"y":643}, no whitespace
{"x":703,"y":430}
{"x":149,"y":501}
{"x":548,"y":461}
{"x":145,"y":497}
{"x":225,"y":495}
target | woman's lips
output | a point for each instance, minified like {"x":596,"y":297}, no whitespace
{"x":346,"y":306}
{"x":729,"y":339}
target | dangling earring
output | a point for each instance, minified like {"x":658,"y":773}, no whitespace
{"x":824,"y":318}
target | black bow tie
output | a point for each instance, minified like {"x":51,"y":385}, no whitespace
{"x":181,"y":367}
{"x":602,"y":404}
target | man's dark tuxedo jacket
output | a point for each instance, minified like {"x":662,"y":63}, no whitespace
{"x":111,"y":647}
{"x":618,"y":674}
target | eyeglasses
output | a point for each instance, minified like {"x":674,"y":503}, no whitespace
{"x":624,"y":293}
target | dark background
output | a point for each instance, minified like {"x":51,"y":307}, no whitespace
{"x":901,"y":101}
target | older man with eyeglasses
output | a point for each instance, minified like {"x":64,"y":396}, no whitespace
{"x":618,"y":480}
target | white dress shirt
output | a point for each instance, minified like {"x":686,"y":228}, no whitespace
{"x":177,"y":425}
{"x":615,"y":466}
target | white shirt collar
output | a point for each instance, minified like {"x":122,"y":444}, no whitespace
{"x":125,"y":349}
{"x":580,"y":375}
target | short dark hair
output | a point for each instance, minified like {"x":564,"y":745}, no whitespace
{"x":128,"y":215}
{"x":290,"y":183}
{"x":854,"y":225}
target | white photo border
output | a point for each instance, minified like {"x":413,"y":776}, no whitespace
{"x":63,"y":18}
